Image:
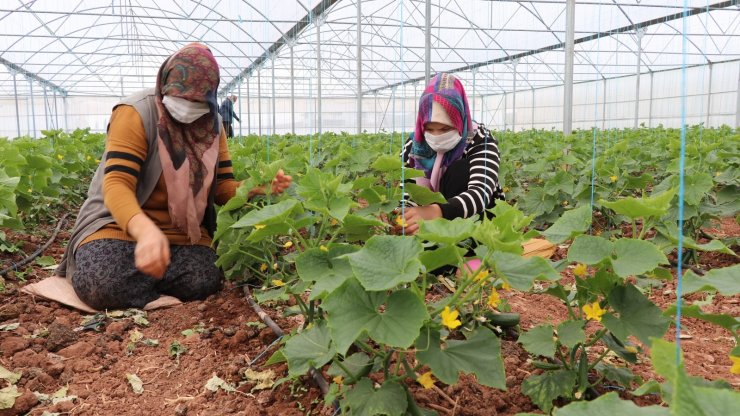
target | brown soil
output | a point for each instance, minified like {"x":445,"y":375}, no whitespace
{"x":50,"y":354}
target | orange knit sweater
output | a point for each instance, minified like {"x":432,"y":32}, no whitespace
{"x":126,"y":149}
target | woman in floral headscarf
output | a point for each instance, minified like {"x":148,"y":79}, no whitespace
{"x":145,"y":229}
{"x":460,"y":158}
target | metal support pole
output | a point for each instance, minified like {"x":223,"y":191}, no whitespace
{"x":17,"y":109}
{"x":737,"y":106}
{"x":259,"y":102}
{"x":504,"y":111}
{"x":650,"y":102}
{"x":359,"y":66}
{"x":33,"y":109}
{"x":292,"y":93}
{"x":513,"y":97}
{"x":428,"y":43}
{"x":474,"y":71}
{"x":709,"y":96}
{"x":66,"y":121}
{"x":570,"y":11}
{"x":532,"y":108}
{"x":274,"y":118}
{"x":375,"y":112}
{"x":56,"y":111}
{"x":46,"y":110}
{"x":239,"y":91}
{"x":249,"y":112}
{"x":603,"y":110}
{"x":318,"y":77}
{"x":640,"y":33}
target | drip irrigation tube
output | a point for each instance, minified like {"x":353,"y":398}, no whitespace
{"x":315,"y":374}
{"x":38,"y":252}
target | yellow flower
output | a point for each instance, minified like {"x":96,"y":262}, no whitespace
{"x":481,"y":275}
{"x":338,"y":380}
{"x":506,"y":189}
{"x":506,"y":286}
{"x":593,"y":311}
{"x":401,"y":222}
{"x":97,"y":160}
{"x":735,"y":365}
{"x":580,"y":270}
{"x":325,"y":249}
{"x":288,"y":244}
{"x":60,"y":157}
{"x":274,"y":266}
{"x":278,"y":282}
{"x":259,"y":226}
{"x":426,"y":380}
{"x":494,"y":299}
{"x":87,"y":157}
{"x":333,"y":221}
{"x":30,"y":190}
{"x":631,"y":348}
{"x":449,"y":318}
{"x":613,"y":178}
{"x":263,"y":267}
{"x":718,"y":173}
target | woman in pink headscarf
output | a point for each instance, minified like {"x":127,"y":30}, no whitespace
{"x":460,"y":158}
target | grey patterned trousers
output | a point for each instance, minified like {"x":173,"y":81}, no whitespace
{"x":107,"y":278}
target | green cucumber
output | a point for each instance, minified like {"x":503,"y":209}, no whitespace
{"x":504,"y":320}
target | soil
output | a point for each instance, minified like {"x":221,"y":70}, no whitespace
{"x":51,"y":353}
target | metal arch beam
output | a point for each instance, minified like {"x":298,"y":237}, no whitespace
{"x":292,"y":33}
{"x":13,"y":67}
{"x":144,"y":8}
{"x":59,"y":39}
{"x":624,"y":29}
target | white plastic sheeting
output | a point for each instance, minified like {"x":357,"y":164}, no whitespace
{"x":94,"y":51}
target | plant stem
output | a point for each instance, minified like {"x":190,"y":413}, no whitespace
{"x":596,"y":337}
{"x":352,"y":376}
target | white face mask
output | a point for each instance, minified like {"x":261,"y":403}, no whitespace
{"x":183,"y":110}
{"x":443,"y":142}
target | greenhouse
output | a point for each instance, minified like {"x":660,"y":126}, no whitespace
{"x":370,"y":207}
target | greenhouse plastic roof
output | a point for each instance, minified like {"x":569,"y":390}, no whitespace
{"x":114,"y":47}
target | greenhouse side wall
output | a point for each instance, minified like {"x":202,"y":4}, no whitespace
{"x":539,"y":108}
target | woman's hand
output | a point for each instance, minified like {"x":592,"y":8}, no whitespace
{"x":279,"y":185}
{"x":413,"y":215}
{"x":152,"y":253}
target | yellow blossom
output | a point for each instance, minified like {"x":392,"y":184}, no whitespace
{"x":506,"y":189}
{"x":278,"y":282}
{"x":631,"y":348}
{"x":593,"y":311}
{"x":735,"y":365}
{"x":481,"y":275}
{"x":718,"y":173}
{"x":426,"y":380}
{"x":30,"y":190}
{"x":274,"y":266}
{"x":288,"y":244}
{"x":613,"y":178}
{"x":60,"y":157}
{"x":97,"y":160}
{"x":87,"y":157}
{"x":259,"y":226}
{"x":580,"y":270}
{"x":333,"y":221}
{"x":325,"y":249}
{"x":338,"y":380}
{"x":494,"y":299}
{"x":401,"y":222}
{"x":263,"y":267}
{"x":449,"y":318}
{"x":506,"y":286}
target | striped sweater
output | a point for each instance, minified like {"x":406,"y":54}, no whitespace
{"x":126,"y":149}
{"x":483,"y":188}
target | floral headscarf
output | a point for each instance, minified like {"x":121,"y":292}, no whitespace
{"x":188,"y":152}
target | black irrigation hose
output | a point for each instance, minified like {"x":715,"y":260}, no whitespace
{"x":316,"y":375}
{"x":38,"y":252}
